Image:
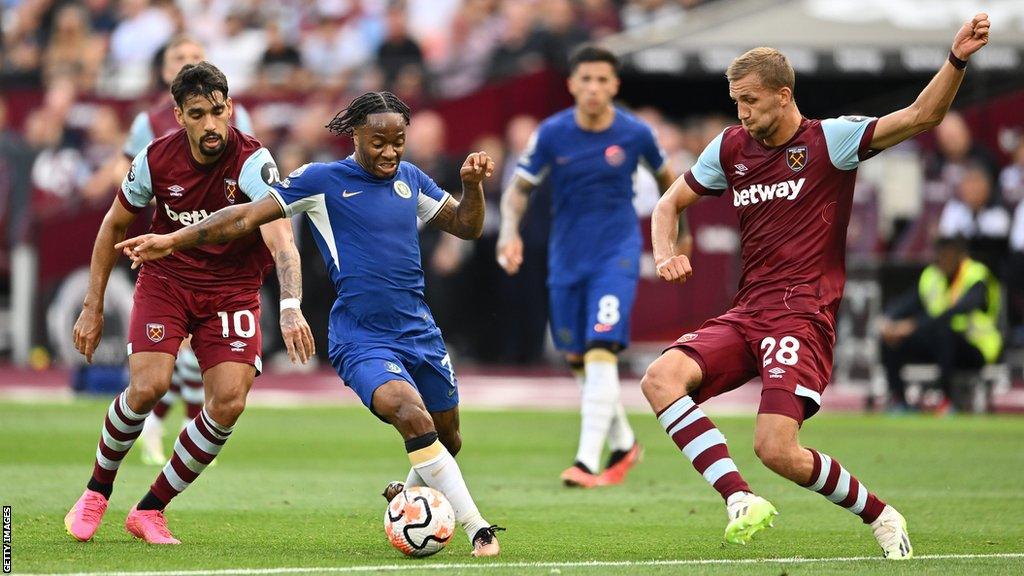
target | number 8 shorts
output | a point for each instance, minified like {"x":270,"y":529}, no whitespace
{"x":594,"y":310}
{"x":791,"y":352}
{"x":225,"y":325}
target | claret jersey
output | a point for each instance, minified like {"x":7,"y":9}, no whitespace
{"x":793,"y":203}
{"x":187,"y":192}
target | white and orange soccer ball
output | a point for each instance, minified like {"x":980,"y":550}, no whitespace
{"x":419,"y":521}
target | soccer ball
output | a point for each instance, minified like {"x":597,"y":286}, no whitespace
{"x":419,"y":521}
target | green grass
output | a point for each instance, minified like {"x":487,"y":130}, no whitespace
{"x":299,"y":488}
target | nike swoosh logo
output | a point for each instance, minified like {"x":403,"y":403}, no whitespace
{"x":347,"y":194}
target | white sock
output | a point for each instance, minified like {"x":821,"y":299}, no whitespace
{"x":413,"y":479}
{"x":438,"y":469}
{"x":597,"y":409}
{"x":620,"y":434}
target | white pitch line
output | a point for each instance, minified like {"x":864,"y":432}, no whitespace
{"x":483,"y":566}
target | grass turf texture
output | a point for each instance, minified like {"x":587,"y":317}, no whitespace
{"x":300,"y":488}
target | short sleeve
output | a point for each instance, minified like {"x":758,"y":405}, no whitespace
{"x":706,"y":176}
{"x":139,"y":136}
{"x":259,"y":173}
{"x":300,"y":191}
{"x":534,"y":163}
{"x":137,"y":186}
{"x":430,"y":198}
{"x":243,"y":121}
{"x":849,"y":140}
{"x":650,"y":153}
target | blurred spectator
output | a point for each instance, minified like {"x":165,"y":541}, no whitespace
{"x":143,"y":29}
{"x":334,"y":47}
{"x":237,"y":51}
{"x":523,"y":315}
{"x":955,"y":150}
{"x":639,"y":12}
{"x":976,"y":215}
{"x":1011,"y":179}
{"x":600,"y":18}
{"x":949,"y":319}
{"x":443,"y":255}
{"x":102,"y":16}
{"x":1015,"y":276}
{"x":563,"y":32}
{"x":103,"y":141}
{"x":521,"y":47}
{"x":280,"y":67}
{"x":57,"y":169}
{"x":15,"y":182}
{"x":23,"y":43}
{"x":74,"y":50}
{"x":474,"y":35}
{"x":399,"y":51}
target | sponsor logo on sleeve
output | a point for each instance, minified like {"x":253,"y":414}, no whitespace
{"x":298,"y":171}
{"x":392,"y":367}
{"x":131,"y":173}
{"x":270,"y":174}
{"x":796,"y":157}
{"x":155,"y":332}
{"x":687,"y":337}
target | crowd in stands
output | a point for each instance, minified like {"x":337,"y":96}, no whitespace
{"x":324,"y":51}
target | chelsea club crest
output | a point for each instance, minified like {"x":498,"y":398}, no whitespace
{"x":402,"y":189}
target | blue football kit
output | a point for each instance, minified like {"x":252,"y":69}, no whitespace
{"x":380,"y":328}
{"x":594,"y":246}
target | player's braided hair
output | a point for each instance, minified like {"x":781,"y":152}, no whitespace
{"x":350,"y":118}
{"x":202,"y":79}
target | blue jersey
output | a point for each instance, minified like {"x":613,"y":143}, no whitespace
{"x":593,"y":224}
{"x":366,"y":229}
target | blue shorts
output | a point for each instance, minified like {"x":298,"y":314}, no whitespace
{"x":421,"y":361}
{"x":594,"y":310}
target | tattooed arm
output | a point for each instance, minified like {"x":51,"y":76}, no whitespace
{"x":298,"y":339}
{"x":223,"y":226}
{"x":465,"y":219}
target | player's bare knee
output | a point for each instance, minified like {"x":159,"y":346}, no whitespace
{"x":662,"y":383}
{"x":146,"y":389}
{"x":226,"y":411}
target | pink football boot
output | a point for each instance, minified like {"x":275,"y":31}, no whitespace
{"x":84,"y":517}
{"x":150,"y":526}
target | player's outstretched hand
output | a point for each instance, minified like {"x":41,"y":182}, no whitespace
{"x":971,"y":36}
{"x":510,"y":253}
{"x":87,"y":332}
{"x":145,"y":248}
{"x":477,"y":166}
{"x":298,"y":338}
{"x":675,"y":269}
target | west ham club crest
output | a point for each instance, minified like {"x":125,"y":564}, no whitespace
{"x":155,"y":332}
{"x":796,"y":157}
{"x":230,"y":189}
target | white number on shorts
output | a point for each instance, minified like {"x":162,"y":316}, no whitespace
{"x":447,"y":363}
{"x":247,"y":332}
{"x":787,"y":353}
{"x":608,"y":309}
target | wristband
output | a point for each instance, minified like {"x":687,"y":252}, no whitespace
{"x":289,"y":303}
{"x":956,"y":62}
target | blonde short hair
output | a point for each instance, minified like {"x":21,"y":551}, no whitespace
{"x":769,"y":64}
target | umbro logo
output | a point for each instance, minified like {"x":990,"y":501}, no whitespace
{"x":776,"y":372}
{"x":237,"y":346}
{"x":347,"y":194}
{"x":175,"y":190}
{"x":740,"y":169}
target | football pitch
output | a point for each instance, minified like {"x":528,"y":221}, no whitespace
{"x":296,"y":491}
